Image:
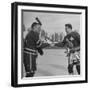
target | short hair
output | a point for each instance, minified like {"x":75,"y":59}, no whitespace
{"x":34,"y":24}
{"x":68,"y":25}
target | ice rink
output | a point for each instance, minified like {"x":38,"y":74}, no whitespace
{"x":53,"y":63}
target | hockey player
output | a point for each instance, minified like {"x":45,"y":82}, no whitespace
{"x":31,"y":49}
{"x":72,"y":41}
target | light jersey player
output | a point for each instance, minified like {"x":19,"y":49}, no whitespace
{"x":72,"y":42}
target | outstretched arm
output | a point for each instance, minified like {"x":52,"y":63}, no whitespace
{"x":44,"y":45}
{"x":60,"y":44}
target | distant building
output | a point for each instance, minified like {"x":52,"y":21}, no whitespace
{"x":53,"y":39}
{"x":56,"y":37}
{"x":43,"y":33}
{"x":61,"y":36}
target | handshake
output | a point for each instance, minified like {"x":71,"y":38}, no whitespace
{"x":51,"y":43}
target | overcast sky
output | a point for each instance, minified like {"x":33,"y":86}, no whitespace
{"x":52,"y":22}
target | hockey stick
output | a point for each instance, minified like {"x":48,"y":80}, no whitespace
{"x":37,"y":19}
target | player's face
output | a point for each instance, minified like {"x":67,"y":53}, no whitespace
{"x":37,"y":28}
{"x":68,"y":30}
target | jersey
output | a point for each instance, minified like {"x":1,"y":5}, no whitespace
{"x":31,"y":40}
{"x":72,"y":40}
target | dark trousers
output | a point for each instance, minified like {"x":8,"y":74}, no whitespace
{"x":29,"y":62}
{"x":70,"y":68}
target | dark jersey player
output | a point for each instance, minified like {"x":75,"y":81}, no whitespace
{"x":72,"y":42}
{"x":30,"y":49}
{"x":32,"y":46}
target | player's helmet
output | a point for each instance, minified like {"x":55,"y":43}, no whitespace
{"x":34,"y":24}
